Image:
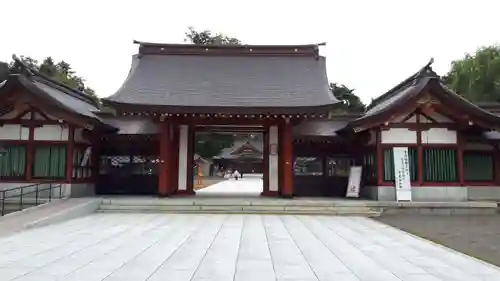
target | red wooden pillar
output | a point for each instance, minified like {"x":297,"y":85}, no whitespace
{"x":287,"y":190}
{"x":95,"y":157}
{"x":190,"y":160}
{"x":460,"y":159}
{"x":380,"y":159}
{"x":163,"y":171}
{"x":175,"y":159}
{"x":69,"y":153}
{"x":420,"y":152}
{"x":30,"y":149}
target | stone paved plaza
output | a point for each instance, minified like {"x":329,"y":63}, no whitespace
{"x":229,"y":247}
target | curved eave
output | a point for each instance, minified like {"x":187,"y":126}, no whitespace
{"x":175,"y":109}
{"x":382,"y":115}
{"x":446,"y":96}
{"x":41,"y":97}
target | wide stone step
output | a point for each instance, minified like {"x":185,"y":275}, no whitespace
{"x":247,"y":209}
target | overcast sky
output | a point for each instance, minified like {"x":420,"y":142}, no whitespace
{"x":371,"y":45}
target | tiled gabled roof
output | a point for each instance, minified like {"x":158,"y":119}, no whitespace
{"x":410,"y":90}
{"x":257,"y":82}
{"x":56,"y":95}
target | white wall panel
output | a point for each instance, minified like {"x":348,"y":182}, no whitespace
{"x":399,"y":135}
{"x":51,"y":132}
{"x":14,"y":132}
{"x":183,"y":156}
{"x":273,"y":159}
{"x":439,"y":135}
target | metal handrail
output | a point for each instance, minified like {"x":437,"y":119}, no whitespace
{"x":22,"y":192}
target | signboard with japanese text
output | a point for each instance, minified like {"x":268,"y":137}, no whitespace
{"x":354,"y":182}
{"x":402,"y":180}
{"x":86,"y":157}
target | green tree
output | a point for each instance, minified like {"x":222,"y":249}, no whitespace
{"x":210,"y":145}
{"x":351,"y":103}
{"x":477,"y":76}
{"x":206,"y":37}
{"x":60,"y":71}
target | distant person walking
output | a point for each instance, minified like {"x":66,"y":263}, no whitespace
{"x":236,"y":174}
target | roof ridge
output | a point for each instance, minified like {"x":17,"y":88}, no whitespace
{"x":54,"y":83}
{"x":226,"y":46}
{"x":150,"y":48}
{"x":425,"y":71}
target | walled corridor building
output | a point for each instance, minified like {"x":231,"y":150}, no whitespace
{"x":140,"y":139}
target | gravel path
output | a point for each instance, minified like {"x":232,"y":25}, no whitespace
{"x":477,"y":236}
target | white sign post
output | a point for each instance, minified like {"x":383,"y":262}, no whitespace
{"x":354,"y":182}
{"x":86,"y":157}
{"x":402,"y":173}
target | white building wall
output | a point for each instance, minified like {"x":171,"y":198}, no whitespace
{"x":439,"y":136}
{"x":14,"y":132}
{"x":273,"y":158}
{"x":51,"y":133}
{"x":183,"y":156}
{"x":399,"y":135}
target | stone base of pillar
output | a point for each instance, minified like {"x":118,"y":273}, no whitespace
{"x":270,"y":193}
{"x":185,"y":192}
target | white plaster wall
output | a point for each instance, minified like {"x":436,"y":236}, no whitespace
{"x":437,"y":193}
{"x":79,"y":136}
{"x":439,"y":135}
{"x":273,"y":159}
{"x":424,"y":193}
{"x":51,"y":132}
{"x":183,"y":156}
{"x":399,"y":135}
{"x":14,"y":132}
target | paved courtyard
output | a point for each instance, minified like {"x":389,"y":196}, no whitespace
{"x":251,"y":185}
{"x":229,"y":247}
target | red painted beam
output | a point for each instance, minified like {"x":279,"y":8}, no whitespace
{"x":163,"y":173}
{"x":287,"y":160}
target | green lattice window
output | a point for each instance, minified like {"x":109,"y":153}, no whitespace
{"x":440,"y":164}
{"x":388,"y":157}
{"x":370,"y":167}
{"x":49,"y":161}
{"x":13,"y":161}
{"x":478,"y":166}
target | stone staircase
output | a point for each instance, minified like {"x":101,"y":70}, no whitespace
{"x":256,"y":205}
